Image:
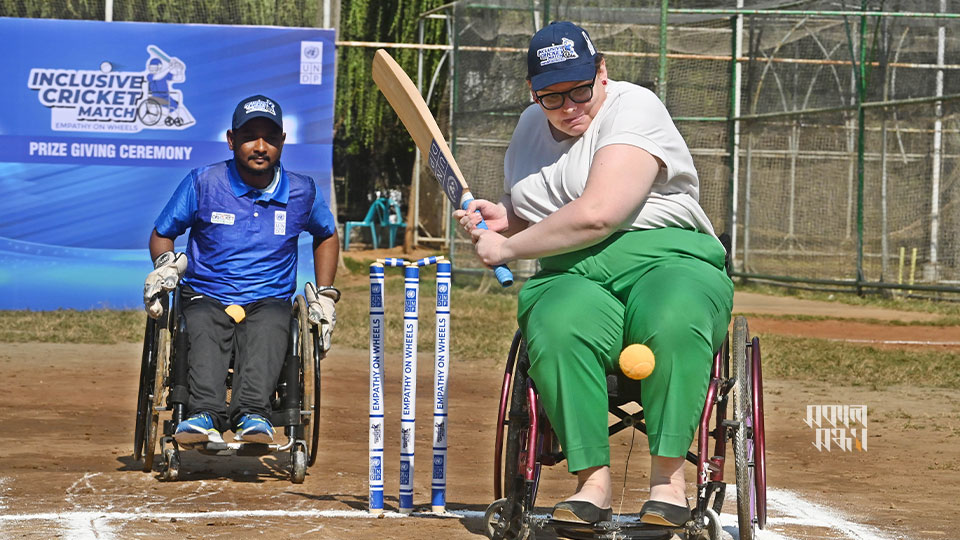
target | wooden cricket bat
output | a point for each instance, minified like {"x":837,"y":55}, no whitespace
{"x":417,"y":118}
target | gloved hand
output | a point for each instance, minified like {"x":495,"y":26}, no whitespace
{"x":321,"y":310}
{"x":168,"y":268}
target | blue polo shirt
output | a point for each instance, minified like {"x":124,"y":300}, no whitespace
{"x":243,"y":243}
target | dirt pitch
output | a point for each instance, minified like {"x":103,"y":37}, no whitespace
{"x":66,"y":471}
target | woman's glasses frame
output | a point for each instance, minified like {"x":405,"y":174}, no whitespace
{"x":577,"y":94}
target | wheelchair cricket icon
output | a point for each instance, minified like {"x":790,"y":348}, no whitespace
{"x":163,"y":106}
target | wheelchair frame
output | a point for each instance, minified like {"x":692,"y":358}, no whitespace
{"x":525,"y":442}
{"x":163,"y":389}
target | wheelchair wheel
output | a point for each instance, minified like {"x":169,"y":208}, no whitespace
{"x":759,"y":434}
{"x":310,"y":380}
{"x":157,"y":397}
{"x":149,"y":111}
{"x":748,"y":437}
{"x":515,"y":495}
{"x":147,"y":374}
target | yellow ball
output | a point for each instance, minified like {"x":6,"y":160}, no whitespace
{"x":236,"y":313}
{"x":636,"y":361}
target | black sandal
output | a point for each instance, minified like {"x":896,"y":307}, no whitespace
{"x":666,"y":514}
{"x":581,"y":512}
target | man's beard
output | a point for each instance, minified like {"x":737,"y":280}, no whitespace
{"x":257,"y":172}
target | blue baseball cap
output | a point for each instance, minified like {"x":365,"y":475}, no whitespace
{"x":560,"y":52}
{"x":257,"y":106}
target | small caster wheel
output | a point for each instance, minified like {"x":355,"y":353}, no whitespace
{"x":298,"y":464}
{"x":714,"y":530}
{"x":499,"y":526}
{"x":170,"y":468}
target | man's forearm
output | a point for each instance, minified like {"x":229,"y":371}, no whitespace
{"x":159,"y":245}
{"x":326,"y":256}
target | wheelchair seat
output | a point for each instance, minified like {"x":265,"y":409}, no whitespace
{"x":622,"y":390}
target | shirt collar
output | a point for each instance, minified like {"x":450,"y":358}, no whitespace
{"x":241,"y":189}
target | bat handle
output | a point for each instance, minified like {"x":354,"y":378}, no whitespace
{"x":504,"y":275}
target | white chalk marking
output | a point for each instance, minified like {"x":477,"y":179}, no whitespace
{"x":792,"y":507}
{"x":3,"y":490}
{"x":77,"y":526}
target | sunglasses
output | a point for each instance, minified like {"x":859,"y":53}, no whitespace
{"x":577,"y":94}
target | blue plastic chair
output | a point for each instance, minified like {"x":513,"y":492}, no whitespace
{"x":393,"y":223}
{"x":378,"y":216}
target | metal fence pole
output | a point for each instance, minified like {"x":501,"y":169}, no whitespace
{"x":662,"y":73}
{"x":930,"y":272}
{"x":861,"y":134}
{"x":736,"y":45}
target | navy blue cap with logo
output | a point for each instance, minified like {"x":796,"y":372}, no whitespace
{"x":257,"y":106}
{"x":560,"y":52}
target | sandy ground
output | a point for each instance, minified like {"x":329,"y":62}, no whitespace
{"x":66,"y":470}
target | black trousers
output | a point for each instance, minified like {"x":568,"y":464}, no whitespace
{"x":258,"y":345}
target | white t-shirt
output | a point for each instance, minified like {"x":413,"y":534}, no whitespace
{"x":542,"y":174}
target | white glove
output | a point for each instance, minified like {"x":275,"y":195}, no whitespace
{"x":322,"y":311}
{"x":168,"y":268}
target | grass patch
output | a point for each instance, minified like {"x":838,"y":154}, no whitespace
{"x":484,"y":321}
{"x":887,"y":300}
{"x":857,"y":365}
{"x":72,"y":326}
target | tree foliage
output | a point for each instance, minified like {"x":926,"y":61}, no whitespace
{"x":265,"y":12}
{"x":372,"y":149}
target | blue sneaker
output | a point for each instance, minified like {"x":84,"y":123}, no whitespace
{"x":197,"y":429}
{"x":254,"y":428}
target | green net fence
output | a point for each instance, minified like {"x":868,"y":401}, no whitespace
{"x":809,"y":190}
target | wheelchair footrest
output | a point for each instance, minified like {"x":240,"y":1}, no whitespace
{"x":627,"y":528}
{"x":234,"y":449}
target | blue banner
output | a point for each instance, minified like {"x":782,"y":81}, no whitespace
{"x":101,"y":122}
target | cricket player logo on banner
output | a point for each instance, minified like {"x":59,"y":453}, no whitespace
{"x":113,"y":101}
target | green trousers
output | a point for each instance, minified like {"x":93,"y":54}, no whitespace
{"x":666,"y":288}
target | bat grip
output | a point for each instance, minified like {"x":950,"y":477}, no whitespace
{"x":504,"y":275}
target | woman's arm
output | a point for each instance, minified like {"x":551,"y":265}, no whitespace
{"x":619,"y":181}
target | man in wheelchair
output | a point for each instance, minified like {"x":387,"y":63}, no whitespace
{"x":239,"y":272}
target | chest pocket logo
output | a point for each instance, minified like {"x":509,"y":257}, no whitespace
{"x":222,"y":218}
{"x":280,"y":222}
